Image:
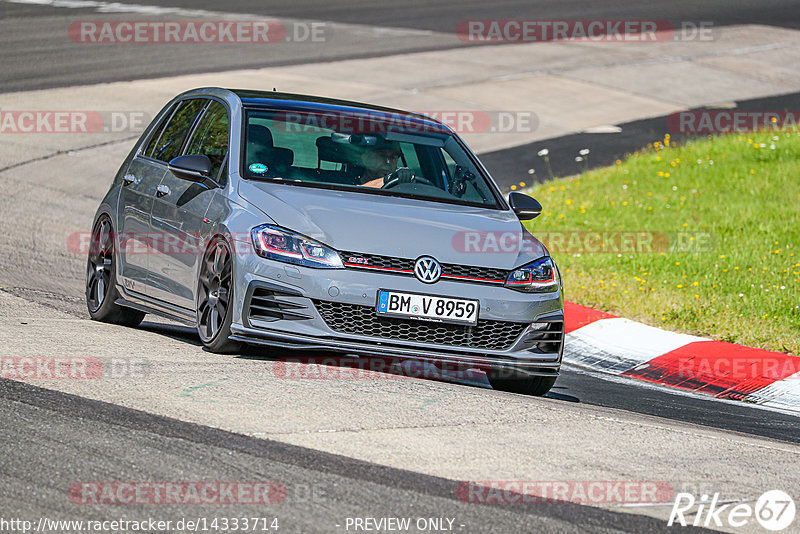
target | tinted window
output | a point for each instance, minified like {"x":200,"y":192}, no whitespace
{"x":169,"y":146}
{"x":210,"y":138}
{"x":157,"y":132}
{"x":371,"y":152}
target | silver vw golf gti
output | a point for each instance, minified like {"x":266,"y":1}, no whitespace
{"x":315,"y":224}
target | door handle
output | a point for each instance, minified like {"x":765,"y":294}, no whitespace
{"x":128,"y":179}
{"x":162,"y":190}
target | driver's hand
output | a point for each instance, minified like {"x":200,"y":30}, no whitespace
{"x":403,"y":175}
{"x":377,"y":182}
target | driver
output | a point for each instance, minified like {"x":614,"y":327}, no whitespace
{"x":379,"y":161}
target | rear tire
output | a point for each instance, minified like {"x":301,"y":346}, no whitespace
{"x":529,"y":385}
{"x":215,"y":299}
{"x":101,"y":276}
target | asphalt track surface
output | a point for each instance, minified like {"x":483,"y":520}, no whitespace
{"x":322,"y":489}
{"x":51,"y":59}
{"x":69,"y":438}
{"x":507,"y":166}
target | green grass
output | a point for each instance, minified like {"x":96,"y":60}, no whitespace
{"x":724,"y":217}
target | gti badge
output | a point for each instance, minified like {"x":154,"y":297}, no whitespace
{"x":427,"y":270}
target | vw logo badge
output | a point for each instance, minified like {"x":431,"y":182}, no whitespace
{"x":427,"y":270}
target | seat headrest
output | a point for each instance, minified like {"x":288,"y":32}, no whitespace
{"x":328,"y":150}
{"x":282,"y":157}
{"x":260,"y":135}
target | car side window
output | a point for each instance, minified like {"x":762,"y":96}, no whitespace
{"x":210,"y":138}
{"x":157,"y":131}
{"x":171,"y":141}
{"x":450,"y":162}
{"x":410,"y":158}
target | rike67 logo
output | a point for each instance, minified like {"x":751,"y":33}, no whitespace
{"x":774,"y":511}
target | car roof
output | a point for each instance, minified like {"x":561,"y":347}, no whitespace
{"x":292,"y":101}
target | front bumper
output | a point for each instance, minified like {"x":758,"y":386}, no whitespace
{"x":284,"y":314}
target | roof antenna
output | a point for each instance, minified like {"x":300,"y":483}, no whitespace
{"x":274,"y":89}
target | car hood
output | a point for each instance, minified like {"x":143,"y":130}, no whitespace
{"x":398,"y":227}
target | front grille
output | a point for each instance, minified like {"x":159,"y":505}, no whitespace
{"x":364,"y":321}
{"x":465,"y":273}
{"x":366,"y":261}
{"x":478,"y":274}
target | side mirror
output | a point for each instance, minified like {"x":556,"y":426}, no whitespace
{"x":525,"y":207}
{"x":192,"y":167}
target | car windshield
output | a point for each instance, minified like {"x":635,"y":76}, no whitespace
{"x":370,"y":152}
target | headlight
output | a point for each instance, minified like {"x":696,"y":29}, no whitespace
{"x":278,"y":244}
{"x":540,"y":276}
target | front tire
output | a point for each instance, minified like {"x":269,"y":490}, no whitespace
{"x":529,"y":385}
{"x":215,"y":299}
{"x":101,"y":276}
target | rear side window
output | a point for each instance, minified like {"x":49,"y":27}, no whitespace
{"x":169,"y":144}
{"x":210,"y":138}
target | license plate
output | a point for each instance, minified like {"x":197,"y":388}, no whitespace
{"x":428,"y":307}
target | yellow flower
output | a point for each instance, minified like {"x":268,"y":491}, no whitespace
{"x":569,"y":201}
{"x":666,"y":175}
{"x":695,"y":283}
{"x":625,"y":203}
{"x":513,"y":187}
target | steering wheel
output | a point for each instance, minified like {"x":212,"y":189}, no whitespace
{"x":404,"y":175}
